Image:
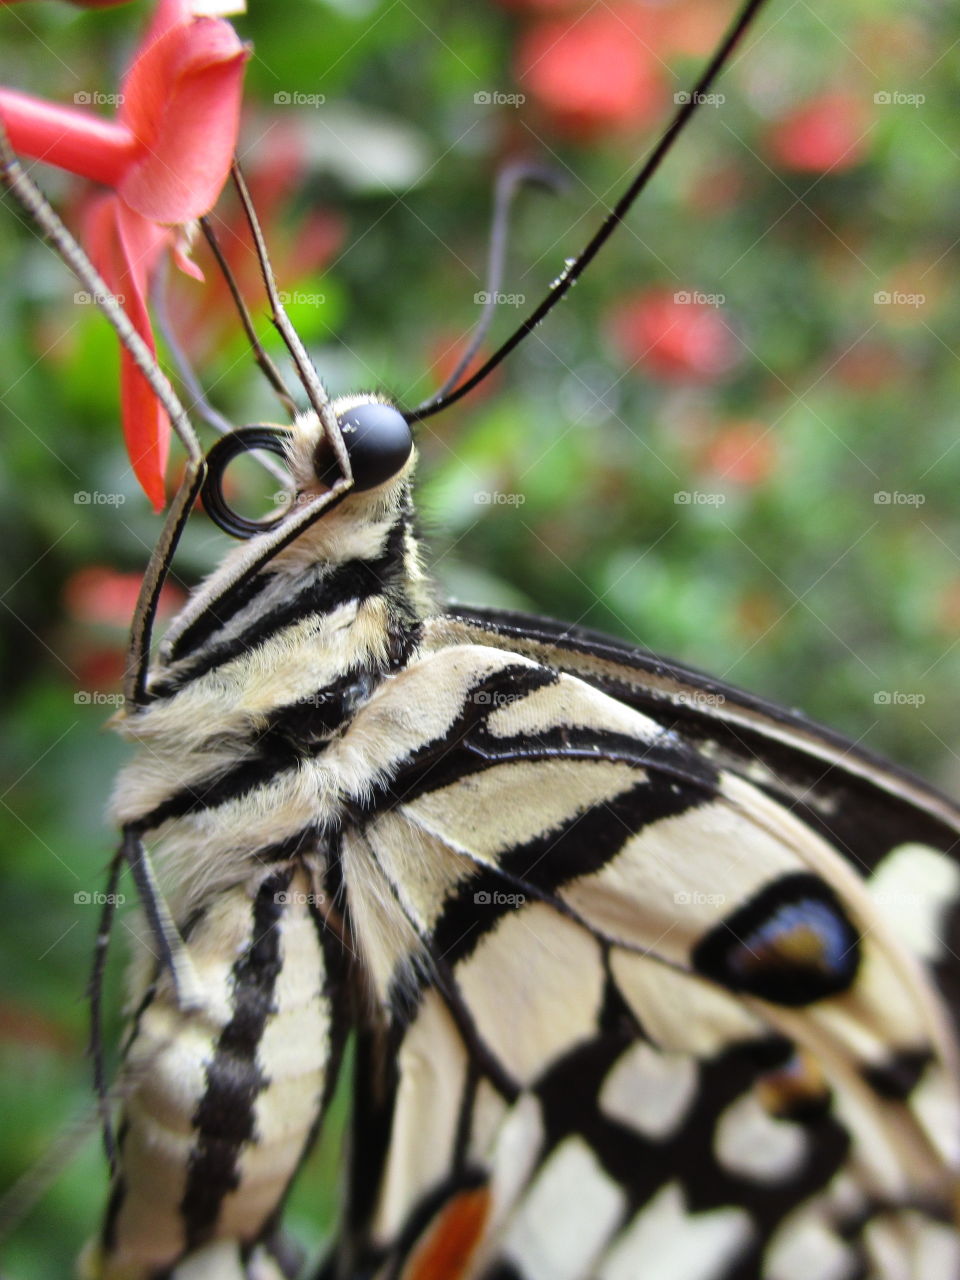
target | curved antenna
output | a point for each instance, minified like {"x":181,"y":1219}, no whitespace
{"x":571,"y":274}
{"x":188,"y":375}
{"x":309,"y":378}
{"x":509,"y":181}
{"x":269,"y":369}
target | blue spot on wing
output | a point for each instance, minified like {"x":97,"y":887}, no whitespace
{"x":792,"y":944}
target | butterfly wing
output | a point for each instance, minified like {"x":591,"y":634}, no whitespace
{"x":633,"y":1009}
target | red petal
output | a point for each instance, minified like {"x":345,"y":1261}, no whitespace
{"x":182,"y":100}
{"x":67,"y":137}
{"x":125,"y":248}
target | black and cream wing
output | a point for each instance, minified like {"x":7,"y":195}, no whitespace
{"x":632,"y":1015}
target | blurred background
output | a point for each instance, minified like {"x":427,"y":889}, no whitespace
{"x":737,"y":442}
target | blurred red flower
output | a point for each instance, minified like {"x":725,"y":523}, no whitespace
{"x":678,"y":338}
{"x":826,"y":133}
{"x":166,"y":156}
{"x":592,"y":72}
{"x":100,"y":602}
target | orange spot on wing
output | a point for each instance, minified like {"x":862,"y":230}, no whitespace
{"x":450,"y":1240}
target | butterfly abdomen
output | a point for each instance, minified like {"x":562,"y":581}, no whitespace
{"x":222,"y":1098}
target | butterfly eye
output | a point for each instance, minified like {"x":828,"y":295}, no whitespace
{"x":243,"y":440}
{"x":378,"y":441}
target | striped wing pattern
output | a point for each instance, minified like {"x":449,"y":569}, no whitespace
{"x":644,"y":977}
{"x":644,"y":1019}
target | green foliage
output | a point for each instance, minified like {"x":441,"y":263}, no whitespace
{"x":785,"y":575}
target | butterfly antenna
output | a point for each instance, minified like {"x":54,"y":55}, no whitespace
{"x":269,"y":369}
{"x":509,"y":181}
{"x":572,"y":273}
{"x":188,"y":375}
{"x":310,"y":379}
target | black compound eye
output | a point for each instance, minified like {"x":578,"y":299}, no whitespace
{"x":378,"y":441}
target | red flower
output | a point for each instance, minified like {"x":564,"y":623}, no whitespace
{"x":166,"y":156}
{"x":827,"y":133}
{"x":678,"y":338}
{"x":592,"y":71}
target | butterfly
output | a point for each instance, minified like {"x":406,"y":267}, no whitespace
{"x":607,"y":937}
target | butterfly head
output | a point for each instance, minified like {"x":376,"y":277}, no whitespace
{"x":378,"y":442}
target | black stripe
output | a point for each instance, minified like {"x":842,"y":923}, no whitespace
{"x":218,"y":614}
{"x":291,"y":733}
{"x":583,"y":843}
{"x":325,"y":591}
{"x":224,"y":1118}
